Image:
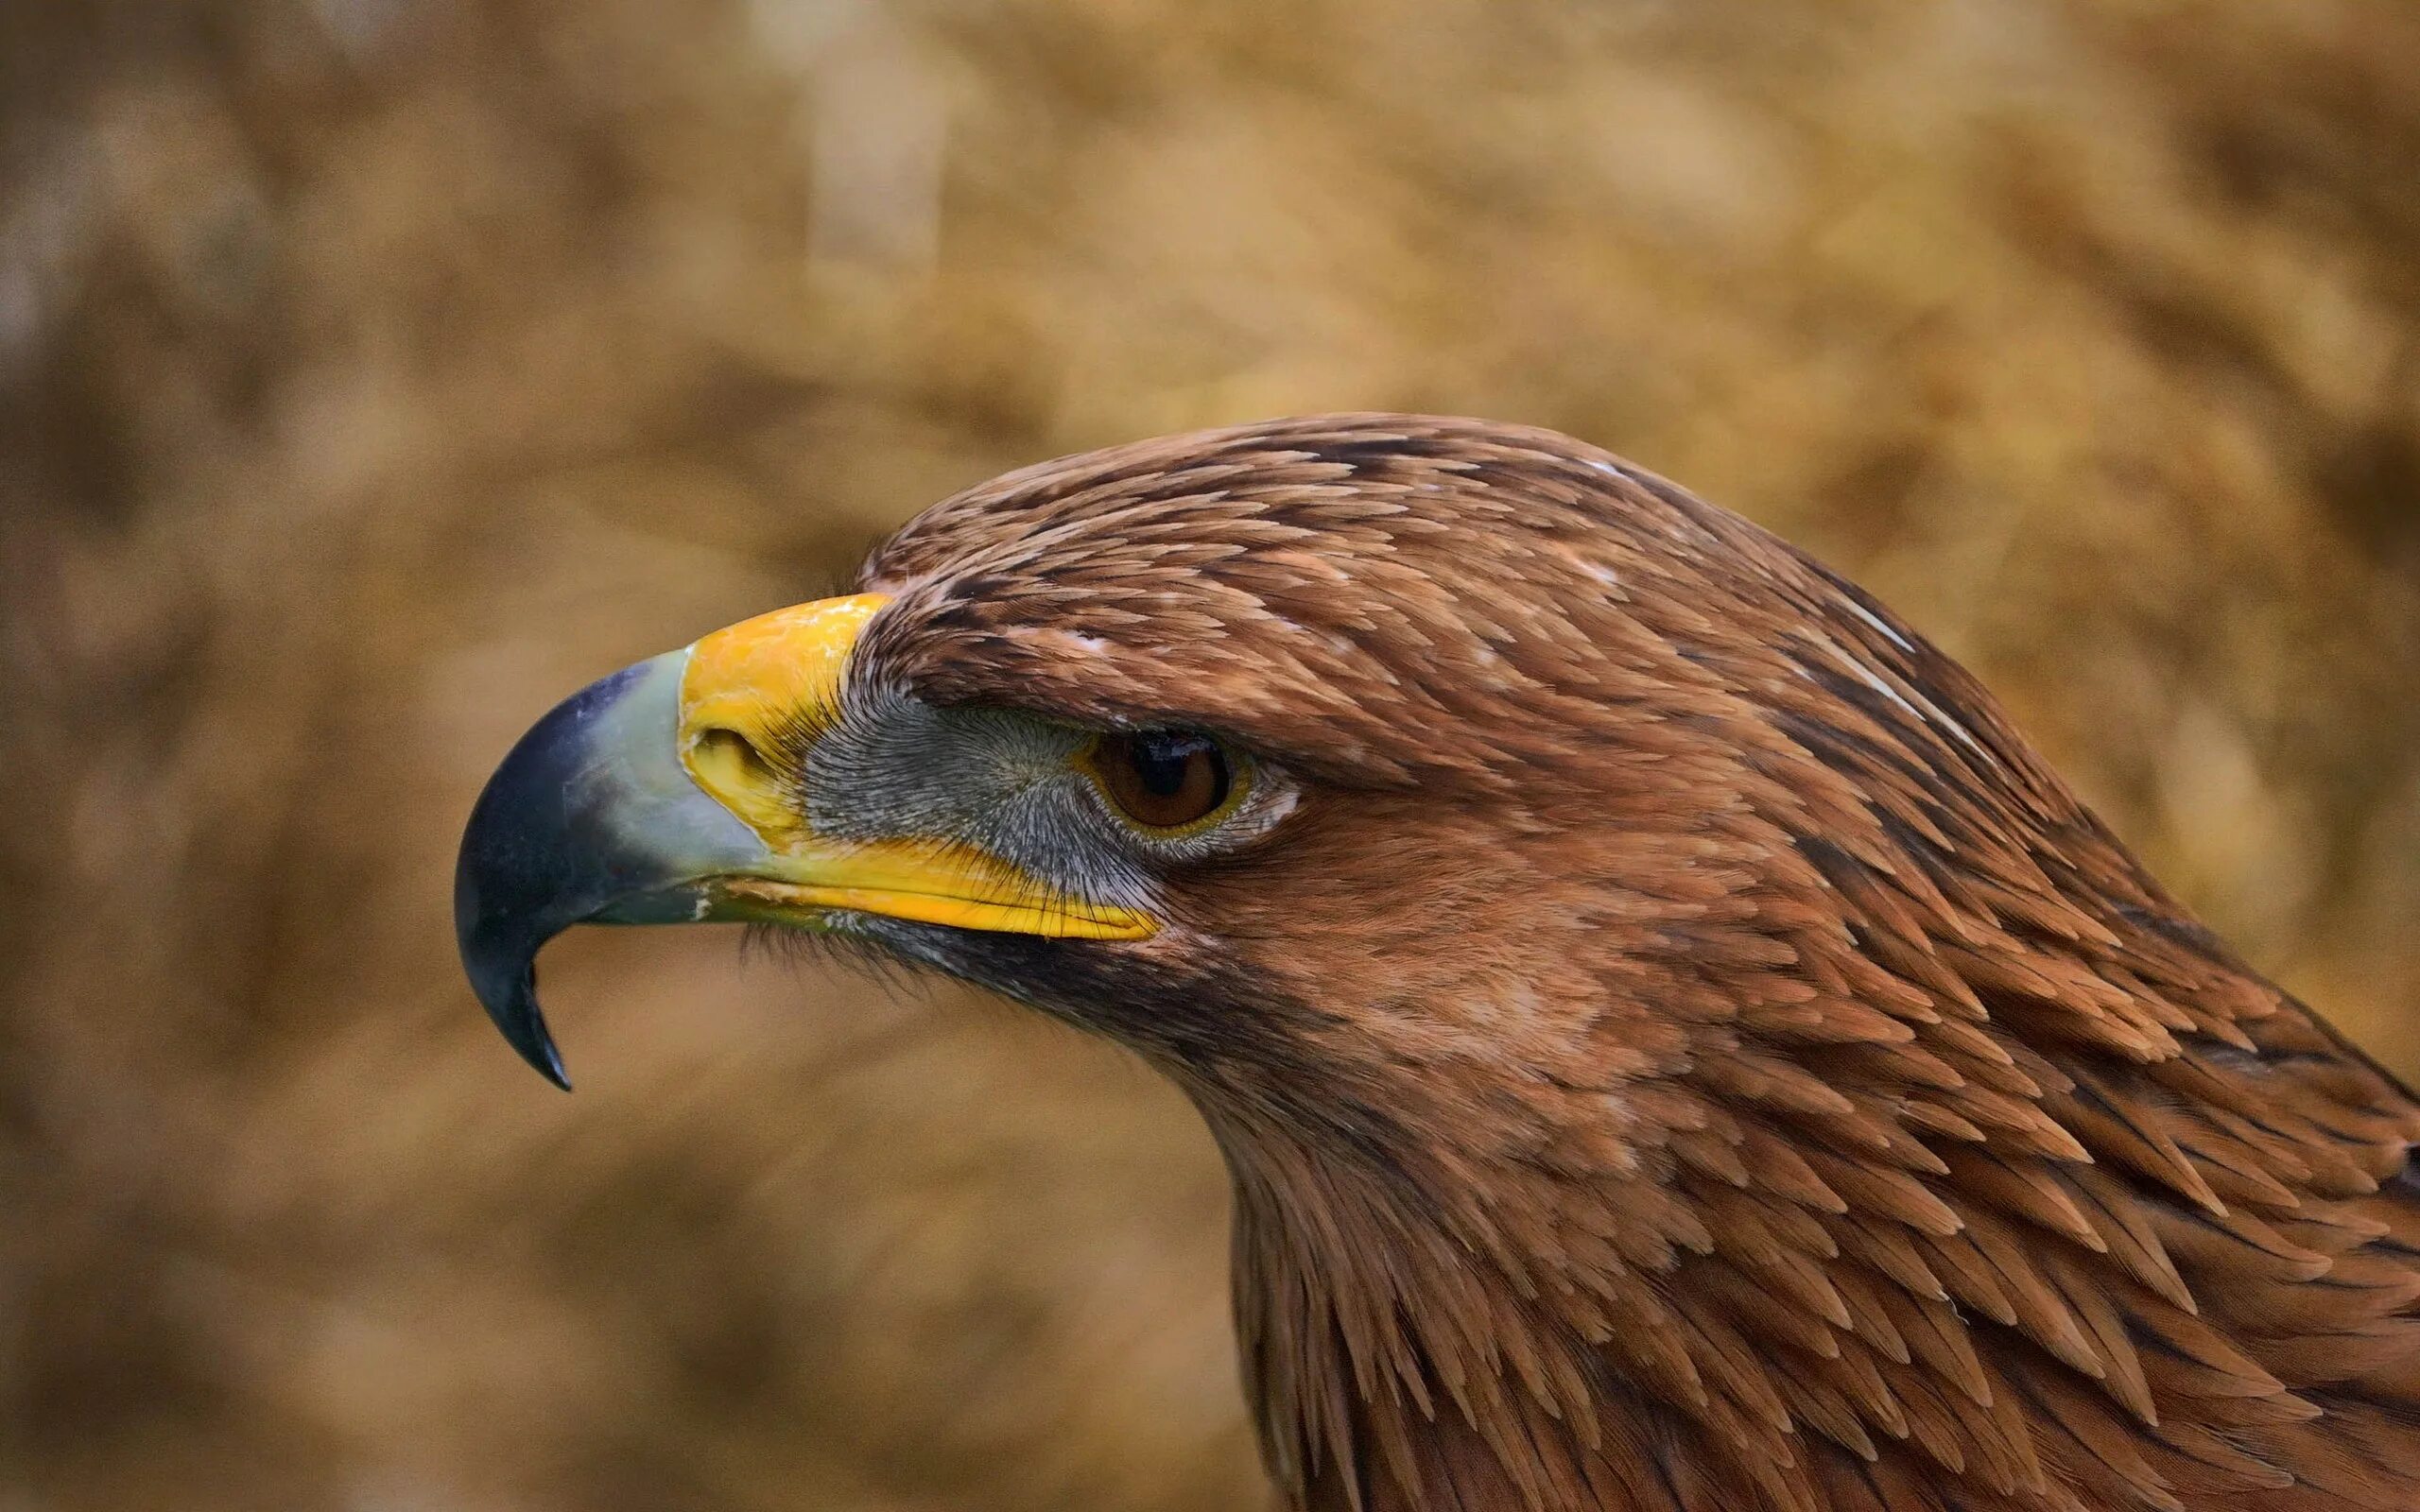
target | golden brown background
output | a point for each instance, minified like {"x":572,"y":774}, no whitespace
{"x":374,"y":371}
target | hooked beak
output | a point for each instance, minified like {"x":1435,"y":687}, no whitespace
{"x":664,"y":794}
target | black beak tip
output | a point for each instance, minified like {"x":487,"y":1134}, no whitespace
{"x":548,"y":1062}
{"x":510,"y":996}
{"x":537,"y":1047}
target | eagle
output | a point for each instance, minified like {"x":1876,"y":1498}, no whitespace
{"x":1676,"y":1046}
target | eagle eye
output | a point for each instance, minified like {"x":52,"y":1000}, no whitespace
{"x":1163,"y":780}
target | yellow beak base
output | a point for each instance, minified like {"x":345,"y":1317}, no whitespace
{"x":746,"y":694}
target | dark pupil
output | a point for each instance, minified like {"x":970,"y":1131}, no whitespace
{"x":1160,"y":761}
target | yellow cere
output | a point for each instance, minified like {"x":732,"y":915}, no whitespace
{"x":747,"y":681}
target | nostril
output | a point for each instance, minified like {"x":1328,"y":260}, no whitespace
{"x":732,"y":754}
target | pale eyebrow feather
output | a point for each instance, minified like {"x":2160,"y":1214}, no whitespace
{"x":1879,"y":624}
{"x":1930,"y":713}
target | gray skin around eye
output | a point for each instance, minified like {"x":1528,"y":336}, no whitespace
{"x":1002,"y":782}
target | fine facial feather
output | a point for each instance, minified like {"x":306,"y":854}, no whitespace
{"x":1682,"y":1051}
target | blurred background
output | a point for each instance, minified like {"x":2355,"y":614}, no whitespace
{"x":374,"y":371}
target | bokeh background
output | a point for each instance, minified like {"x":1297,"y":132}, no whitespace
{"x":374,"y":371}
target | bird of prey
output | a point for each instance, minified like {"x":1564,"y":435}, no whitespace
{"x":1677,"y":1048}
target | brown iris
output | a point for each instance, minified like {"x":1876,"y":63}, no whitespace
{"x":1162,"y":778}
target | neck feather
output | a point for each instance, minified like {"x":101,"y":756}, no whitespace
{"x":1399,"y":1358}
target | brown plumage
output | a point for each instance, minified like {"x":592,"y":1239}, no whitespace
{"x":1682,"y":1051}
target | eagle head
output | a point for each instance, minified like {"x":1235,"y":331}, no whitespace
{"x":1329,"y":763}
